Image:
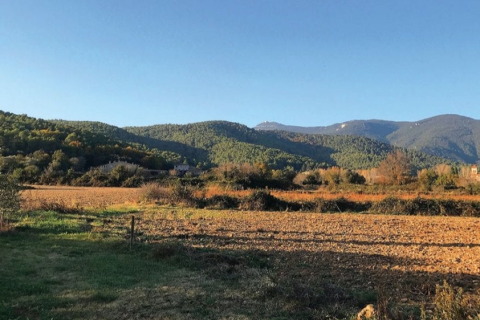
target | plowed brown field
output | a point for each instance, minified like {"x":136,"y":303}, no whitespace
{"x":404,"y":255}
{"x":91,"y":197}
{"x":85,"y":197}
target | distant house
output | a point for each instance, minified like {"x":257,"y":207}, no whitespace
{"x":107,"y":168}
{"x":182,"y":169}
{"x":132,"y":168}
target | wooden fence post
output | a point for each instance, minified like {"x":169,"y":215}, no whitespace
{"x":132,"y":230}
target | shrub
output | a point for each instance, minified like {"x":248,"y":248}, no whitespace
{"x":340,"y":205}
{"x":390,"y":205}
{"x":223,"y":202}
{"x":323,"y":205}
{"x":426,"y":179}
{"x":431,"y":207}
{"x":133,"y":181}
{"x":181,"y":194}
{"x":262,"y":200}
{"x":421,"y":206}
{"x":354,"y":177}
{"x":9,"y":198}
{"x":471,"y":209}
{"x":473,"y":188}
{"x":152,"y":191}
{"x":450,"y":304}
{"x":447,"y":181}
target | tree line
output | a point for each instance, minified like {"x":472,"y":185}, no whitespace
{"x":63,"y":152}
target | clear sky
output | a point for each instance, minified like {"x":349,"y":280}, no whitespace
{"x":310,"y":63}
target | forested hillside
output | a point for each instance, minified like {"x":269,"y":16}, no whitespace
{"x":232,"y":142}
{"x":48,"y":151}
{"x":216,"y":142}
{"x":373,"y":129}
{"x":449,"y":136}
{"x":36,"y":149}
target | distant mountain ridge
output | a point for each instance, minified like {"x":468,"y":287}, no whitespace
{"x":211,"y":143}
{"x":450,"y":136}
{"x":52,"y":151}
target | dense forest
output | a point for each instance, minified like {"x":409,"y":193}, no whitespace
{"x":57,"y":151}
{"x":232,"y":142}
{"x":449,"y":136}
{"x":35,"y":150}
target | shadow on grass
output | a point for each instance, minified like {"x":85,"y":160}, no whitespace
{"x":52,"y":268}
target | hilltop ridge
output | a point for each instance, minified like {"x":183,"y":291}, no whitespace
{"x":450,"y":136}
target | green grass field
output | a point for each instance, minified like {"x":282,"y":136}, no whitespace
{"x":53,"y":266}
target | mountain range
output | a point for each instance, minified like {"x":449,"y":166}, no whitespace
{"x":450,"y":136}
{"x":34,"y":145}
{"x":212,"y":143}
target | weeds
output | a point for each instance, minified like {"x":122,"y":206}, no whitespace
{"x":451,"y":304}
{"x":168,"y":249}
{"x":172,"y":194}
{"x":59,"y":206}
{"x":9,"y":199}
{"x":151,"y":192}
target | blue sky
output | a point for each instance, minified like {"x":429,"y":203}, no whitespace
{"x":310,"y":63}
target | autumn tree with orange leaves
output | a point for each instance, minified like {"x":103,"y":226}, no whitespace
{"x":396,"y":168}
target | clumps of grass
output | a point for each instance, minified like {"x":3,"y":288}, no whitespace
{"x":218,"y":264}
{"x":259,"y":283}
{"x":311,"y":296}
{"x":451,"y":304}
{"x":9,"y":199}
{"x":168,"y":249}
{"x":59,"y":206}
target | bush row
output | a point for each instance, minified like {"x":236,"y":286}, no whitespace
{"x":428,"y":207}
{"x":264,"y":201}
{"x":261,"y":200}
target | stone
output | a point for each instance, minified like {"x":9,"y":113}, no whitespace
{"x":367,"y":313}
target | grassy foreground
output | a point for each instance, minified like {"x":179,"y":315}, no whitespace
{"x":80,"y":266}
{"x":54,"y":266}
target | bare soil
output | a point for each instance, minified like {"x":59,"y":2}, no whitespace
{"x":402,"y":255}
{"x":85,"y":197}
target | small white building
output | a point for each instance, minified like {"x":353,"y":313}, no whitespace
{"x":107,"y":168}
{"x":182,"y":169}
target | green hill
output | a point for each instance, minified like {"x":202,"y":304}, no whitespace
{"x":449,"y":136}
{"x":35,"y":147}
{"x":231,"y":142}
